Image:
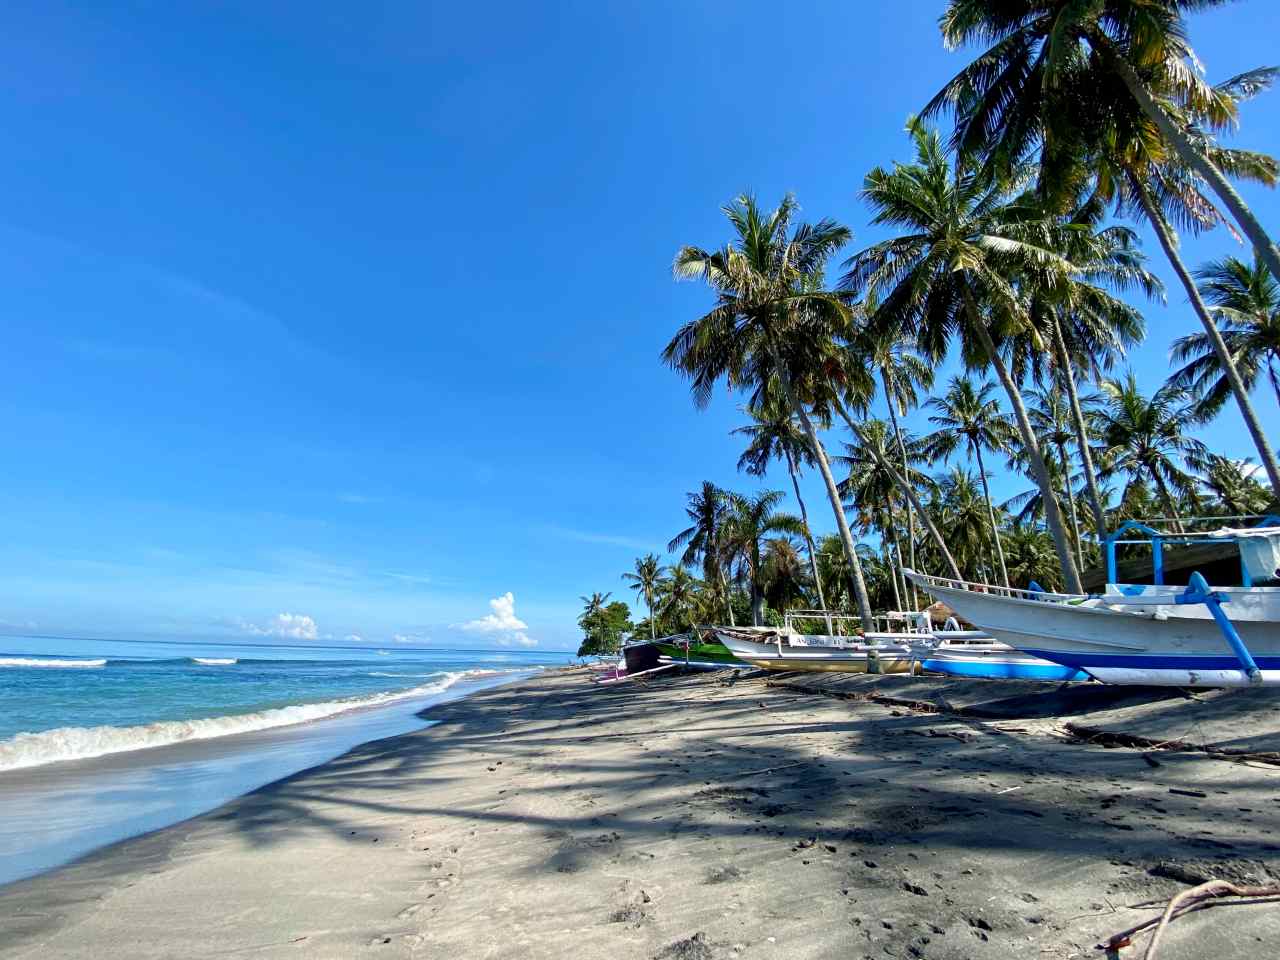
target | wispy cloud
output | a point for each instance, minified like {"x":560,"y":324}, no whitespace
{"x":407,"y":577}
{"x":607,"y":539}
{"x":508,"y":629}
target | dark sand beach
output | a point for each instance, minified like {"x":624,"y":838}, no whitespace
{"x":695,"y":819}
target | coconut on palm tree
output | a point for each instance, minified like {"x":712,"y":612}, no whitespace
{"x":773,"y":325}
{"x":1245,"y":302}
{"x":968,"y":414}
{"x":645,"y":580}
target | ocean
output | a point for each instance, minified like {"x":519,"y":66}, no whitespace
{"x":101,"y":740}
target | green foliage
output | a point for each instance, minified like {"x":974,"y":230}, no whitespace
{"x":603,"y":626}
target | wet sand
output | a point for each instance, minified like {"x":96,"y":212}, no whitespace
{"x":686,"y":819}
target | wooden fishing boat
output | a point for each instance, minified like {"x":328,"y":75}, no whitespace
{"x":699,"y":650}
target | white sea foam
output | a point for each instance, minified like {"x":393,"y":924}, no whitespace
{"x":34,"y":662}
{"x":214,"y":661}
{"x":79,"y":743}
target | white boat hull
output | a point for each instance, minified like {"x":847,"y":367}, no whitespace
{"x":1144,"y":644}
{"x":839,"y":656}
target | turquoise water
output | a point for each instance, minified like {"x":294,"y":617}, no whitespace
{"x":103,"y":740}
{"x":67,"y":700}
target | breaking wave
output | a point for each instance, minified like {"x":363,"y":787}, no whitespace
{"x":37,"y":662}
{"x":80,"y":743}
{"x":214,"y":661}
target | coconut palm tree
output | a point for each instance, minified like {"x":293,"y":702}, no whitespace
{"x":967,"y":413}
{"x":774,"y":434}
{"x":594,"y":603}
{"x":870,"y":454}
{"x":871,"y":490}
{"x":645,"y":580}
{"x":903,"y":375}
{"x":782,"y":574}
{"x":960,"y":270}
{"x":1246,"y":306}
{"x":678,"y":597}
{"x":1131,"y":56}
{"x":1232,"y":484}
{"x":1063,"y":93}
{"x":1030,"y":553}
{"x":749,"y":522}
{"x":1050,"y":413}
{"x":703,"y":539}
{"x":959,"y":508}
{"x":772,"y":324}
{"x":1144,"y":438}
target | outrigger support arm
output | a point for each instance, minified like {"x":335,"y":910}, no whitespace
{"x":1198,"y":592}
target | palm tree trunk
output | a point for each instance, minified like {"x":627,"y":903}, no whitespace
{"x":1167,"y":241}
{"x":857,"y":581}
{"x":892,"y":529}
{"x":906,"y":472}
{"x":908,"y":489}
{"x":1194,"y":159}
{"x":728,"y":598}
{"x":1052,"y":515}
{"x":648,"y":602}
{"x":1071,"y":502}
{"x":808,"y":534}
{"x":1166,"y":499}
{"x":991,"y":511}
{"x":1082,"y":432}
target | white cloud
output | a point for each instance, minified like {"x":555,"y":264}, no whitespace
{"x":409,"y":638}
{"x":294,"y":626}
{"x":354,"y":638}
{"x":518,"y":639}
{"x":502,"y":621}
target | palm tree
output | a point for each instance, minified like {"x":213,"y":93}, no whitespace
{"x":1031,"y":557}
{"x":775,"y":434}
{"x":1232,"y":484}
{"x":870,"y":454}
{"x":750,"y":521}
{"x":1089,"y":329}
{"x":960,"y":509}
{"x":961,"y":269}
{"x":772,"y":324}
{"x":903,"y":374}
{"x":1132,"y":56}
{"x":645,"y":580}
{"x":871,"y":490}
{"x":782,"y":574}
{"x":1059,"y":78}
{"x":1050,"y":413}
{"x":678,"y":596}
{"x":1246,"y":306}
{"x":594,"y":603}
{"x":969,"y":412}
{"x":703,"y":540}
{"x":1144,"y":438}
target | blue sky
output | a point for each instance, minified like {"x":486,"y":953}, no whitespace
{"x":343,"y":320}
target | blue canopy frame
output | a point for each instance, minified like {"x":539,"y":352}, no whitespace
{"x":1158,"y":539}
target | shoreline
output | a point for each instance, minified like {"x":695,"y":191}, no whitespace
{"x":158,"y":786}
{"x":689,"y":819}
